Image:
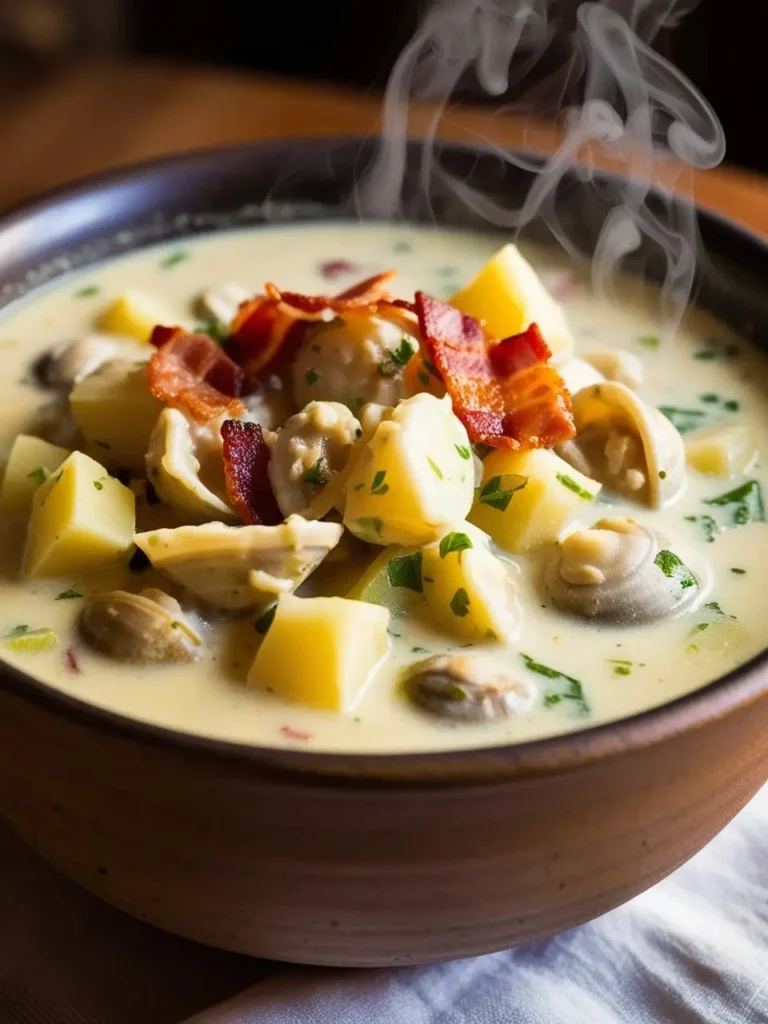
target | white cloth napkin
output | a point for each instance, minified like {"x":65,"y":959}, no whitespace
{"x":693,"y":950}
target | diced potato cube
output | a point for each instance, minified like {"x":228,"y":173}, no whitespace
{"x":526,"y":498}
{"x":30,"y":463}
{"x":321,"y":651}
{"x":394,"y":580}
{"x":727,"y":450}
{"x":136,"y":314}
{"x":116,"y":413}
{"x":509,"y":296}
{"x":81,"y":519}
{"x":414,"y":477}
{"x":470,"y":593}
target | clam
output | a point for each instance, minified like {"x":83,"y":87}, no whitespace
{"x":468,"y":688}
{"x":186,"y":467}
{"x":147,"y":627}
{"x":234,"y":568}
{"x":356,"y":359}
{"x":313,"y":446}
{"x":67,"y":365}
{"x":627,"y":445}
{"x":619,"y":571}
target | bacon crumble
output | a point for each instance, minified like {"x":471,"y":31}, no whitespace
{"x":192,"y":373}
{"x":246,"y":458}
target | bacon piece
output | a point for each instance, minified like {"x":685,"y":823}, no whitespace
{"x":512,"y":399}
{"x":191,"y":372}
{"x":246,"y":458}
{"x":268,"y":329}
{"x":162,"y":335}
{"x":332,"y":269}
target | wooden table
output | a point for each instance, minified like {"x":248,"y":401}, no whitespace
{"x":90,"y":117}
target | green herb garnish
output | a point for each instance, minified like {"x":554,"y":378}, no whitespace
{"x":731,"y":405}
{"x":747,"y":502}
{"x":68,"y":595}
{"x":709,"y":398}
{"x":432,"y":369}
{"x":317,"y":474}
{"x":571,"y":690}
{"x":464,"y":451}
{"x":454,"y":542}
{"x":570,"y":483}
{"x":311,"y":377}
{"x":674,"y":568}
{"x":460,"y":603}
{"x":173,"y":259}
{"x":98,"y":485}
{"x":397,"y":358}
{"x":424,"y":378}
{"x":435,"y":468}
{"x":16,"y":631}
{"x":622,"y":670}
{"x":498,"y":491}
{"x":649,"y":341}
{"x":684,"y":419}
{"x":88,"y":292}
{"x":405,"y":571}
{"x":214,"y":328}
{"x":708,"y":525}
{"x":378,"y":486}
{"x":739,"y":572}
{"x":39,"y":475}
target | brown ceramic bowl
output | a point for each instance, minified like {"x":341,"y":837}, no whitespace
{"x":359,"y":859}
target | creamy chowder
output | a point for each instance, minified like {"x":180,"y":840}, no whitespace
{"x":581,"y":626}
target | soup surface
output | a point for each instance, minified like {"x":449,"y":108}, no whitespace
{"x":572,"y":671}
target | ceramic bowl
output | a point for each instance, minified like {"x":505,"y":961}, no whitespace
{"x":360,"y":860}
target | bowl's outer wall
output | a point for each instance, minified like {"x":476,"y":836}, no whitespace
{"x":337,"y":873}
{"x":354,"y":861}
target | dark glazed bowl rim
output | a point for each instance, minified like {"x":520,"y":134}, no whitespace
{"x":735,"y":690}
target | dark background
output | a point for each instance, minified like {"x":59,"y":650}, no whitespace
{"x":722,"y":45}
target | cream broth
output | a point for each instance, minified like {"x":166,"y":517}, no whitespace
{"x":621,"y":670}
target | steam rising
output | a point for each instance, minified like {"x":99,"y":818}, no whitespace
{"x":635,"y":107}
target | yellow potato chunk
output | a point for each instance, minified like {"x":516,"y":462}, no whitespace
{"x":393,"y":580}
{"x":727,"y":450}
{"x":116,"y":413}
{"x":414,"y":477}
{"x":526,"y":498}
{"x":30,"y":463}
{"x":470,"y":593}
{"x":136,"y":314}
{"x":509,"y":296}
{"x":321,"y":651}
{"x":81,"y":519}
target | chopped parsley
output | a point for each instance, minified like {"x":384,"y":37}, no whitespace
{"x":709,"y":398}
{"x":419,"y":650}
{"x":745,"y":503}
{"x":173,"y":259}
{"x":311,"y":377}
{"x":460,"y":603}
{"x":649,"y":341}
{"x":16,"y":631}
{"x":464,"y":451}
{"x":717,"y":350}
{"x":738,"y":572}
{"x":708,"y":526}
{"x":454,"y":542}
{"x":570,"y":688}
{"x":397,"y":358}
{"x":39,"y":475}
{"x":378,"y":486}
{"x":622,"y":670}
{"x":99,"y":485}
{"x":684,"y":420}
{"x":405,"y":571}
{"x":435,"y":468}
{"x":371,"y":524}
{"x":316,"y":475}
{"x":498,"y":491}
{"x":88,"y":292}
{"x":68,"y":595}
{"x":731,"y":405}
{"x":570,"y":483}
{"x":673,"y":567}
{"x":264,"y":621}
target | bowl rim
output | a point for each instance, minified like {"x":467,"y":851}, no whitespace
{"x":729,"y":693}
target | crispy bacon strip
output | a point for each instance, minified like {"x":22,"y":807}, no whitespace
{"x":268,"y":329}
{"x":191,"y":372}
{"x":246,"y":458}
{"x":508,"y":399}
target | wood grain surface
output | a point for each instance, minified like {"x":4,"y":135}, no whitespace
{"x":90,"y":117}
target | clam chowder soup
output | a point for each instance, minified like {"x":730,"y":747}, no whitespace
{"x":417,"y":492}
